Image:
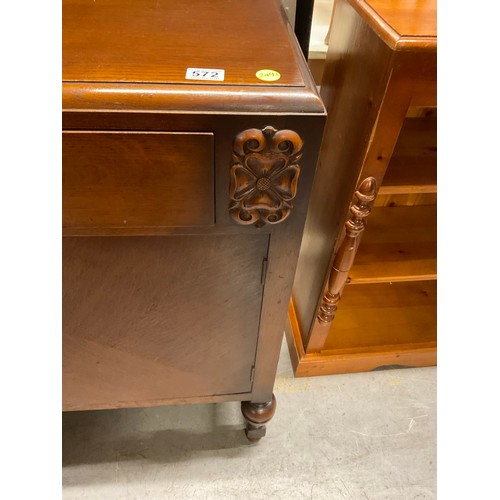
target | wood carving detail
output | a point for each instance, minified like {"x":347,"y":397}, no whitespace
{"x":264,"y":175}
{"x":344,"y":258}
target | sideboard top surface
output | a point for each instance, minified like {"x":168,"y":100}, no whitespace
{"x":155,"y":41}
{"x":133,"y":55}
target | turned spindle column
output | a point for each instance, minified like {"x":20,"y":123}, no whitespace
{"x":342,"y":263}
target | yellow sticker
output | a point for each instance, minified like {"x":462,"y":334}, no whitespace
{"x":268,"y":75}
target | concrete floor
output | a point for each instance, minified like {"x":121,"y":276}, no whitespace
{"x":357,"y":436}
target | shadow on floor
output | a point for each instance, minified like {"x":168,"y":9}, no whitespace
{"x":162,"y":435}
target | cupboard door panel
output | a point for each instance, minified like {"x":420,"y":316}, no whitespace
{"x":146,"y":319}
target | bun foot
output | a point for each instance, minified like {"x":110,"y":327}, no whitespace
{"x":257,"y":415}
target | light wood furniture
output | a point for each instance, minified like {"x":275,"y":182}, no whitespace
{"x":183,"y":207}
{"x":363,"y":299}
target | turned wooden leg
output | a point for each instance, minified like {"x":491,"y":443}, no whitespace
{"x":256,"y":416}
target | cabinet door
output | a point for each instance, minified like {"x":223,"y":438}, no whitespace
{"x":152,"y":319}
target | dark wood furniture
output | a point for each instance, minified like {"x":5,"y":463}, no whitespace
{"x":356,"y":309}
{"x":183,"y":207}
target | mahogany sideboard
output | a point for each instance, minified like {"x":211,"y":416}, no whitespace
{"x":191,"y":131}
{"x":366,"y":298}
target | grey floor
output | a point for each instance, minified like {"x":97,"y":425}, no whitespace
{"x":357,"y":436}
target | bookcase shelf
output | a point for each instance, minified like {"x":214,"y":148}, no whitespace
{"x":399,"y":244}
{"x":365,"y":292}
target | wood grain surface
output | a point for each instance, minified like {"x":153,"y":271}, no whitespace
{"x":354,"y":359}
{"x":352,"y":88}
{"x":148,"y":319}
{"x":127,"y":179}
{"x":144,"y":68}
{"x":403,"y":24}
{"x":381,"y":314}
{"x":133,"y":55}
{"x":176,"y":305}
{"x":381,"y":63}
{"x":400,"y":244}
{"x":155,"y":41}
{"x":413,"y":164}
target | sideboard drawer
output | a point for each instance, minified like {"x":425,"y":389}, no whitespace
{"x":137,"y":179}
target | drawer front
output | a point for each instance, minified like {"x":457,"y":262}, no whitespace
{"x":137,"y":179}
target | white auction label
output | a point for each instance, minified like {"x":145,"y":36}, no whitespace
{"x":205,"y":74}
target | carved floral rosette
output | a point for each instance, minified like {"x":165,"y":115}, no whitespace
{"x":264,"y":175}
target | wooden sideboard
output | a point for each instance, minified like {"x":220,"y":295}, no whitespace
{"x":191,"y":131}
{"x":363,"y":299}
